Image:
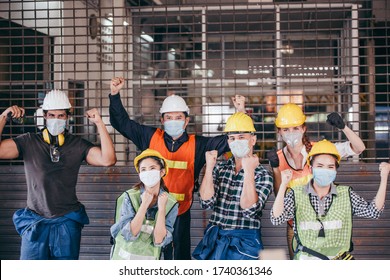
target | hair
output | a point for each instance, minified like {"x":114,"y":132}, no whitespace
{"x":162,"y":166}
{"x":185,"y":114}
{"x":67,"y":111}
{"x":306,"y":140}
{"x":313,"y":157}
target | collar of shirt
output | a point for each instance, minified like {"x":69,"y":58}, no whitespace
{"x":310,"y":190}
{"x":290,"y":160}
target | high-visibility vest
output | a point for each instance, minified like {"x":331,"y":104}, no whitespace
{"x":143,"y":247}
{"x":337,"y":224}
{"x":300,"y":177}
{"x":180,"y":178}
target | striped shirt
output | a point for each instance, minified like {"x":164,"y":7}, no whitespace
{"x":228,"y":186}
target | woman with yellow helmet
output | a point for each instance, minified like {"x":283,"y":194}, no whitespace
{"x":322,"y":211}
{"x":290,"y":123}
{"x":145,"y":214}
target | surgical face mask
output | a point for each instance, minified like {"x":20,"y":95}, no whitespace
{"x":292,"y":138}
{"x":150,"y":178}
{"x":239,"y":148}
{"x":174,"y":128}
{"x":324,"y":177}
{"x":55,"y":126}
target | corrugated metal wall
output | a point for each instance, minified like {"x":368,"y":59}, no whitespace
{"x":326,"y":55}
{"x":99,"y":187}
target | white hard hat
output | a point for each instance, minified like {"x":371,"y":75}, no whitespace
{"x":56,"y":100}
{"x":174,"y":103}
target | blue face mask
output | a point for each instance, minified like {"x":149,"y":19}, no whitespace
{"x":324,"y":177}
{"x":174,"y":128}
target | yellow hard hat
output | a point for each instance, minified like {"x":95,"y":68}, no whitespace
{"x":239,"y":122}
{"x":150,"y":153}
{"x":323,"y":147}
{"x":290,"y":115}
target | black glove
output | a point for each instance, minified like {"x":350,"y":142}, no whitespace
{"x":273,"y":158}
{"x":334,"y":119}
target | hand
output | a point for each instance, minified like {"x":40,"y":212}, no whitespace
{"x":162,"y":201}
{"x":286,"y":176}
{"x":334,"y":119}
{"x":250,"y":162}
{"x":146,"y":198}
{"x":14,"y":111}
{"x":239,"y":103}
{"x":384,"y":168}
{"x":116,"y":85}
{"x":94,"y":116}
{"x":273,"y":158}
{"x":211,"y":158}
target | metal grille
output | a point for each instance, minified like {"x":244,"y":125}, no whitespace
{"x":324,"y":55}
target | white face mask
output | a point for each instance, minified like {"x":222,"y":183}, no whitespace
{"x":55,"y":126}
{"x":150,"y":178}
{"x":174,"y":128}
{"x":292,"y":138}
{"x":239,"y":148}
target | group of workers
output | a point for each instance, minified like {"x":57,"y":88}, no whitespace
{"x":153,"y":219}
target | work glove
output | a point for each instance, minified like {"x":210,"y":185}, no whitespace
{"x":334,"y":119}
{"x":273,"y":158}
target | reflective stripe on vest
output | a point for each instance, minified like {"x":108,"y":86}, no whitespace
{"x":337,"y":223}
{"x":142,"y":248}
{"x":180,"y":178}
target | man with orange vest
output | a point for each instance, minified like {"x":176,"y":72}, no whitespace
{"x":184,"y":153}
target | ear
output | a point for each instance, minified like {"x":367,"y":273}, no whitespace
{"x":186,"y":122}
{"x":253,"y":140}
{"x":162,"y":172}
{"x":162,"y":120}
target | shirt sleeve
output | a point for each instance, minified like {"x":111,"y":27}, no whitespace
{"x":264,"y":184}
{"x":123,"y":225}
{"x":345,"y":149}
{"x":363,"y":208}
{"x":169,"y":223}
{"x":288,"y":213}
{"x":137,"y":133}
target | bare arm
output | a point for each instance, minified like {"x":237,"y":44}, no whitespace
{"x":136,"y":223}
{"x":357,"y":144}
{"x":249,"y":195}
{"x":278,"y":207}
{"x":384,"y":168}
{"x":8,"y":148}
{"x":206,"y":189}
{"x":160,"y":230}
{"x":104,"y":155}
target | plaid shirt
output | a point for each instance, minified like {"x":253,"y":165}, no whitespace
{"x":228,"y":186}
{"x":360,"y":207}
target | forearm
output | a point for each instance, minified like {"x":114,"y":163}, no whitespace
{"x":357,"y":144}
{"x":108,"y":156}
{"x":3,"y":121}
{"x":206,"y":190}
{"x":136,"y":223}
{"x":381,"y":194}
{"x":277,"y":179}
{"x":249,"y":195}
{"x":278,"y":207}
{"x":160,"y":230}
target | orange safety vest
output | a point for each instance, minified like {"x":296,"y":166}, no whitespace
{"x":180,"y":179}
{"x":300,"y":177}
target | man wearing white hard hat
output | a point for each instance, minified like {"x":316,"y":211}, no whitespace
{"x":50,"y":225}
{"x":185,"y":153}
